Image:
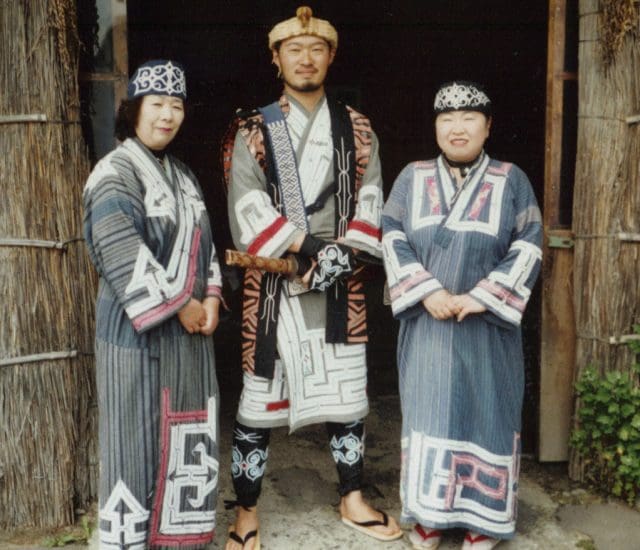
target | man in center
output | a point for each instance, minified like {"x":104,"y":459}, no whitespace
{"x":304,"y":178}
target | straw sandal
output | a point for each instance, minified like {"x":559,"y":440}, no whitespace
{"x":366,"y":527}
{"x":423,"y":538}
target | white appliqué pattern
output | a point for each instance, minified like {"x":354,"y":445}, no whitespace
{"x":123,"y":514}
{"x":439,"y":470}
{"x":348,"y":449}
{"x":332,"y":263}
{"x":165,"y":79}
{"x":458,"y":97}
{"x":252,"y":466}
{"x":184,"y":473}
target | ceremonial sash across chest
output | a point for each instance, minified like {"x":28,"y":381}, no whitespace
{"x":267,"y":137}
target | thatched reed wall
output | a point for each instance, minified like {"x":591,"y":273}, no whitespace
{"x":47,"y":448}
{"x":607,"y":192}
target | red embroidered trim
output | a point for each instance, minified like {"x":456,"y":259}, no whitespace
{"x":364,"y":227}
{"x":267,"y":234}
{"x":503,"y":294}
{"x":278,"y":405}
{"x":167,"y":419}
{"x":151,"y":316}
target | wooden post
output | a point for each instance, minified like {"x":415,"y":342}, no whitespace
{"x":606,"y":201}
{"x":557,"y":349}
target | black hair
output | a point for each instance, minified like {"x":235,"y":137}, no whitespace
{"x":127,"y":117}
{"x":277,"y":45}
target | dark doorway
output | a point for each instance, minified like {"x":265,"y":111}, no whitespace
{"x":391,"y":57}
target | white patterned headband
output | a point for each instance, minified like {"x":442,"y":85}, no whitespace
{"x":461,"y":96}
{"x":159,"y":77}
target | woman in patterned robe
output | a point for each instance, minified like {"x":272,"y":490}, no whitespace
{"x":149,"y":237}
{"x":461,"y":246}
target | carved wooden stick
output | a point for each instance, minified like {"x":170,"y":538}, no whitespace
{"x":287,"y":265}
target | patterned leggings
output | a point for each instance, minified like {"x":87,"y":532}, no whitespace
{"x":251,"y":449}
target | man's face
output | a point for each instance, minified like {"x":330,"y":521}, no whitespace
{"x":303,"y":62}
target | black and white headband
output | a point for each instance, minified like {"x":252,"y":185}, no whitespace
{"x":461,"y":95}
{"x":158,"y":77}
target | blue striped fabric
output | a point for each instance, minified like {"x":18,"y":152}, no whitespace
{"x":461,"y":383}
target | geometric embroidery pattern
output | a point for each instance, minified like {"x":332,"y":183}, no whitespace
{"x":356,"y":311}
{"x":251,"y":301}
{"x":183,"y":513}
{"x":452,"y":481}
{"x":286,"y":166}
{"x":315,"y":370}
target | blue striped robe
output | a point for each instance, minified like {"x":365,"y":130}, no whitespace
{"x":461,"y":384}
{"x":148,"y":235}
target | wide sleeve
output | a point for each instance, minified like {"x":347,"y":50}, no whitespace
{"x":408,"y":279}
{"x":256,"y":225}
{"x":505,"y":291}
{"x":364,"y":230}
{"x":114,"y":229}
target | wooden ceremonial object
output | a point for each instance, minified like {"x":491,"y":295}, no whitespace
{"x":287,"y":266}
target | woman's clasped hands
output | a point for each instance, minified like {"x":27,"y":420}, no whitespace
{"x":443,"y":305}
{"x":202,"y":317}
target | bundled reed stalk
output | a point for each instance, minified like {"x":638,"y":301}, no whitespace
{"x":606,"y":201}
{"x":47,"y":421}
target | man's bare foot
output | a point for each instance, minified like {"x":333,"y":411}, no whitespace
{"x":354,"y":508}
{"x":246,"y":521}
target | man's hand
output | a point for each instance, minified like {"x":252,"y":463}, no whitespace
{"x":192,"y":316}
{"x":465,"y":304}
{"x":329,"y":261}
{"x":440,"y":305}
{"x":211,"y":306}
{"x":334,"y":261}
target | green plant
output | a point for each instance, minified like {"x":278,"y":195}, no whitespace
{"x":77,"y":535}
{"x":607,"y":437}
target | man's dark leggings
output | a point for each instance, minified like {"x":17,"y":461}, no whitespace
{"x":251,"y":448}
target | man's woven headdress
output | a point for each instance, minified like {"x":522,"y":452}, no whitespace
{"x":303,"y":24}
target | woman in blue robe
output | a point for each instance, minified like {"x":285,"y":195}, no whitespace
{"x":461,"y":245}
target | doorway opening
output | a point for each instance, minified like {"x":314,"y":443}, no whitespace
{"x":391,"y":58}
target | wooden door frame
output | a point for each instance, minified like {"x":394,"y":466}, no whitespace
{"x":119,"y":76}
{"x":557,"y":333}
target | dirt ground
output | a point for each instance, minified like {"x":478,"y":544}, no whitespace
{"x":298,"y":506}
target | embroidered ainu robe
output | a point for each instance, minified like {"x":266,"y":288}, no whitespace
{"x":148,"y":235}
{"x":315,"y":368}
{"x":461,"y":383}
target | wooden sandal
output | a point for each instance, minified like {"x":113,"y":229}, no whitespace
{"x":366,"y":527}
{"x":237,"y":538}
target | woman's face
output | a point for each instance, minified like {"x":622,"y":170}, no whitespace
{"x":159,"y":120}
{"x":461,"y":134}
